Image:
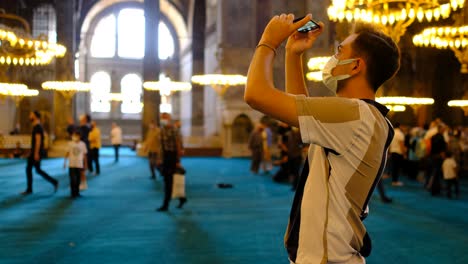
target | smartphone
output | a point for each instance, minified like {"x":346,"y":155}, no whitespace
{"x":309,"y":26}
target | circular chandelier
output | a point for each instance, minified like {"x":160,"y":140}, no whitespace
{"x":463,"y":104}
{"x":219,"y":79}
{"x":18,"y":47}
{"x":394,"y":15}
{"x":454,"y":38}
{"x":315,"y":66}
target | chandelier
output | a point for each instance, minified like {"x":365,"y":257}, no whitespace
{"x":18,"y":47}
{"x":16,"y":91}
{"x":67,"y":89}
{"x":315,"y":65}
{"x":394,"y":15}
{"x":454,"y":38}
{"x":463,"y":104}
{"x":166,"y":87}
{"x":219,"y":82}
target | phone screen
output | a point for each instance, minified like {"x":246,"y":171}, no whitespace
{"x":310,"y":26}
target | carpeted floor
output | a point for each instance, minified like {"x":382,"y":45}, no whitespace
{"x":115,"y":221}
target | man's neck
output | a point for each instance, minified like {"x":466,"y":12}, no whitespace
{"x":357,"y":89}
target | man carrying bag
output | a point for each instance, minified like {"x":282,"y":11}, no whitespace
{"x":169,"y":160}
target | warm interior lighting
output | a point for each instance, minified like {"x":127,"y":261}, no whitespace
{"x":219,"y":82}
{"x":458,"y":103}
{"x":402,"y":100}
{"x":454,"y":38}
{"x":19,"y":48}
{"x":67,"y":86}
{"x":394,"y":15}
{"x":315,"y":65}
{"x":396,"y":108}
{"x":219,"y":79}
{"x":165,"y":86}
{"x":116,"y":97}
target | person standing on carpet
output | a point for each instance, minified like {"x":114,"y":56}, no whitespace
{"x":169,"y":160}
{"x":256,"y":148}
{"x":37,"y":153}
{"x":76,"y":155}
{"x":349,"y":134}
{"x":84,"y":129}
{"x":153,"y":146}
{"x":95,"y":145}
{"x":116,"y":140}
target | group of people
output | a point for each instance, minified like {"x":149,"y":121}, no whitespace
{"x":291,"y":148}
{"x":163,"y":145}
{"x":432,"y":154}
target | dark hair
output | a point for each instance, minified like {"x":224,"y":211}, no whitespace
{"x":380,"y":52}
{"x":88,"y":118}
{"x":37,"y":114}
{"x":396,"y":125}
{"x":76,"y":132}
{"x":448,"y":154}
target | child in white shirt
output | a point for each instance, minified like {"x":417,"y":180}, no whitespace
{"x":76,"y":155}
{"x":449,"y":169}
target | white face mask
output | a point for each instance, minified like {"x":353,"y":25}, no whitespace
{"x":332,"y":81}
{"x":164,"y":122}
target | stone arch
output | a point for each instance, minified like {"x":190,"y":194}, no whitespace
{"x":174,"y":17}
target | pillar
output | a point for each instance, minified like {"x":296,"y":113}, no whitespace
{"x":64,"y":66}
{"x":198,"y":51}
{"x":151,"y":65}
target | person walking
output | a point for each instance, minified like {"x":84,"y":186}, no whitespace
{"x":169,"y":159}
{"x":397,"y":154}
{"x":76,"y":156}
{"x":95,"y":145}
{"x":37,"y":153}
{"x":348,"y":134}
{"x":116,"y":140}
{"x":153,"y":147}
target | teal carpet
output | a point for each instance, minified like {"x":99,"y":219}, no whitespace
{"x":115,"y":221}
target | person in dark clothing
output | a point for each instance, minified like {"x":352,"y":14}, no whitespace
{"x":294,"y":148}
{"x":438,"y":149}
{"x":71,"y":127}
{"x":170,"y":160}
{"x":37,"y":152}
{"x":256,"y":148}
{"x":85,"y":128}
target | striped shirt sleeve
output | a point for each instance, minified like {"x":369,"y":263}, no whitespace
{"x":330,"y":122}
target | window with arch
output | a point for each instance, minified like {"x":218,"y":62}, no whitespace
{"x":131,"y":93}
{"x":101,"y":87}
{"x":103,"y":41}
{"x":45,"y":22}
{"x":124,"y":31}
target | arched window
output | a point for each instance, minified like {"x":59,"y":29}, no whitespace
{"x":131,"y":93}
{"x":103,"y":41}
{"x":45,"y":22}
{"x":127,"y":28}
{"x":101,"y":82}
{"x":131,"y":33}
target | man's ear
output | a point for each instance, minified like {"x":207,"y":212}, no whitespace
{"x":359,"y":65}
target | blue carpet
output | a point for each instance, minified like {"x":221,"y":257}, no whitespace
{"x":115,"y":221}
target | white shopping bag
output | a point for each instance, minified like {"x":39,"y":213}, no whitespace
{"x":178,"y":186}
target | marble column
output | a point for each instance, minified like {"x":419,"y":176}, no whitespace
{"x":198,"y":51}
{"x":151,"y":65}
{"x":64,"y":66}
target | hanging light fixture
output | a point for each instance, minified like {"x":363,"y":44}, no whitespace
{"x":454,"y":38}
{"x":394,"y":15}
{"x":19,"y":48}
